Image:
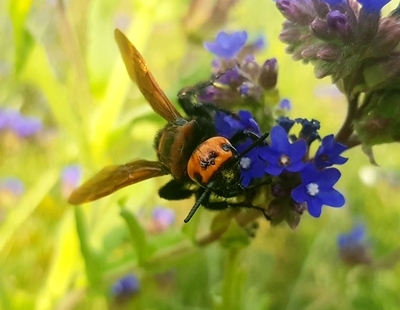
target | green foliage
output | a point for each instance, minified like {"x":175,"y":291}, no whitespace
{"x":62,"y":65}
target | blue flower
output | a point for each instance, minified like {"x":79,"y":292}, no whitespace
{"x":227,"y":125}
{"x":373,"y":6}
{"x":125,"y":286}
{"x":163,"y":218}
{"x":251,"y":167}
{"x":328,"y":154}
{"x":23,"y":126}
{"x":285,"y":105}
{"x":70,"y":178}
{"x":260,"y":43}
{"x":12,"y":185}
{"x":71,"y":174}
{"x":353,"y":248}
{"x":227,"y":45}
{"x":283,"y":155}
{"x":317,"y":189}
{"x":354,"y":237}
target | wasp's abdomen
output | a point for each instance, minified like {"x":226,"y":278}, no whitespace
{"x":174,"y":145}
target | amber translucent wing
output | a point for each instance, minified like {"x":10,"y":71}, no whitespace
{"x":113,"y":178}
{"x":141,"y":75}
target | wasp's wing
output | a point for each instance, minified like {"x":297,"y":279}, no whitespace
{"x":141,"y":75}
{"x":115,"y":177}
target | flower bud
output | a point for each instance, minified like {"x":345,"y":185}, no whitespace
{"x":368,"y":26}
{"x":290,"y":35}
{"x":328,"y":53}
{"x":337,"y":22}
{"x":293,"y":216}
{"x":269,"y":74}
{"x":321,"y":30}
{"x":321,"y":8}
{"x":277,"y":210}
{"x":387,"y":39}
{"x":301,"y":13}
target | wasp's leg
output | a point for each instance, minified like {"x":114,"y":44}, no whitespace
{"x":242,"y":135}
{"x":249,"y":206}
{"x":175,"y":190}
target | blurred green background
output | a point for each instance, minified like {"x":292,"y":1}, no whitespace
{"x":59,"y":63}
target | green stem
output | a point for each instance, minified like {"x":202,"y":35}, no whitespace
{"x":347,"y":128}
{"x":230,"y":296}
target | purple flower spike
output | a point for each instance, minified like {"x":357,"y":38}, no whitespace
{"x":227,"y":45}
{"x":317,"y":189}
{"x":328,"y":154}
{"x":251,"y":167}
{"x":373,"y":6}
{"x":283,"y":155}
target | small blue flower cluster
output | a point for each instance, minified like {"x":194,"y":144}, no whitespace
{"x":280,"y":156}
{"x":284,"y":156}
{"x":23,"y":126}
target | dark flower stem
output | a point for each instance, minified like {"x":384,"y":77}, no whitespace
{"x":347,"y":128}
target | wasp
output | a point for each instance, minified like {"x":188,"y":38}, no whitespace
{"x":188,"y":148}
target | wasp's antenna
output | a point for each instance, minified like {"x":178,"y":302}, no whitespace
{"x":203,"y":196}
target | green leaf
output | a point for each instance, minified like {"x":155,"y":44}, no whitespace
{"x":29,"y":201}
{"x":138,"y":236}
{"x":66,"y":262}
{"x":94,"y":261}
{"x":381,"y":122}
{"x":23,"y":40}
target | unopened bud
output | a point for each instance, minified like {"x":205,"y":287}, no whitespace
{"x":328,"y":53}
{"x":321,"y":30}
{"x":321,"y":8}
{"x":338,"y":24}
{"x":387,"y":39}
{"x":290,"y":35}
{"x":269,"y":74}
{"x":299,"y":12}
{"x":368,"y":26}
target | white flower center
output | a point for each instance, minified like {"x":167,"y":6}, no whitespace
{"x":312,"y":189}
{"x":284,"y":160}
{"x":245,"y":163}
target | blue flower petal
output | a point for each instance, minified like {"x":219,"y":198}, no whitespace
{"x":227,"y":45}
{"x":373,"y":6}
{"x":332,"y":198}
{"x":328,"y":177}
{"x":279,"y":139}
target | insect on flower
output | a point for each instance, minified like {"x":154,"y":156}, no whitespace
{"x":200,"y":161}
